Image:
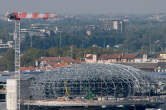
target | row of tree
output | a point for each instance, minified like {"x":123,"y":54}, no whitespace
{"x":139,"y":37}
{"x":144,"y":36}
{"x":29,"y":56}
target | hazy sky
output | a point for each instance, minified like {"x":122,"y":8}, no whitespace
{"x":84,"y":6}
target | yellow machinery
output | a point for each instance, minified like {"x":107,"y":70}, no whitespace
{"x":66,"y":89}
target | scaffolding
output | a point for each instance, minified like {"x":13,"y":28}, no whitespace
{"x":89,"y":82}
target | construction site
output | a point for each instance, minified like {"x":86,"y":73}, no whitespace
{"x":91,"y":86}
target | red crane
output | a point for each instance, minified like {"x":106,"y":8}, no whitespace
{"x":23,"y":15}
{"x":16,"y":17}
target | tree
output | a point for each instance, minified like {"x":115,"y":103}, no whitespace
{"x":31,"y":55}
{"x":7,"y":60}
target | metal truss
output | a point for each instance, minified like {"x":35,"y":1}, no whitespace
{"x":17,"y":58}
{"x":90,"y":81}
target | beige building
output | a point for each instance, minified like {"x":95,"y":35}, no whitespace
{"x":91,"y":58}
{"x":162,"y":57}
{"x":122,"y":58}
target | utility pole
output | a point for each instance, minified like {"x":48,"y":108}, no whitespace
{"x":60,"y":32}
{"x":31,"y":42}
{"x":71,"y":51}
{"x":150,"y":45}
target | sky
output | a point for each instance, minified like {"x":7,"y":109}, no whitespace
{"x":85,"y":6}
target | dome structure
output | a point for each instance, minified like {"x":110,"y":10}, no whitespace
{"x":91,"y":80}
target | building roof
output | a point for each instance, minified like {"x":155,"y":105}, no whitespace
{"x":129,"y":56}
{"x":59,"y":65}
{"x":110,"y":56}
{"x":31,"y":68}
{"x":59,"y":59}
{"x":114,"y":56}
{"x":88,"y":71}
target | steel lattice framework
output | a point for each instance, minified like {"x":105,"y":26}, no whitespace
{"x":17,"y":57}
{"x":90,"y":81}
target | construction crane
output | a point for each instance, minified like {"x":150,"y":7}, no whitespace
{"x":16,"y":17}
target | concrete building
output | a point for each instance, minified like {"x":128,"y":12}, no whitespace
{"x":122,"y":26}
{"x":91,"y":58}
{"x":12,"y":96}
{"x":162,"y":57}
{"x":113,"y":25}
{"x":118,"y":25}
{"x":3,"y":80}
{"x":161,"y":67}
{"x":121,"y":58}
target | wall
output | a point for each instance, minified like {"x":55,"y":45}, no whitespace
{"x":11,"y":96}
{"x":12,"y":92}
